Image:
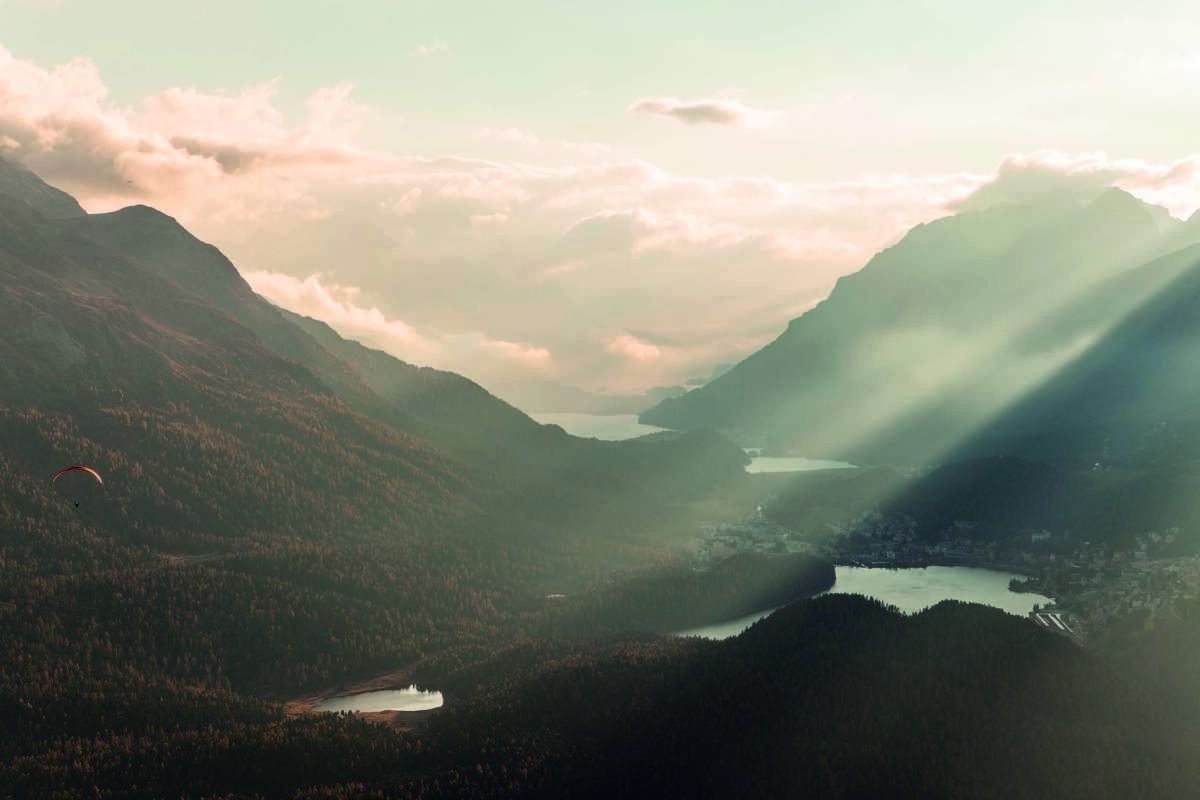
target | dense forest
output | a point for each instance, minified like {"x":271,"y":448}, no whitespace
{"x":835,"y":697}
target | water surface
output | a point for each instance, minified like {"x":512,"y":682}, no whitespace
{"x":612,"y":427}
{"x":792,"y":464}
{"x":410,"y":699}
{"x":910,"y":590}
{"x":618,"y":427}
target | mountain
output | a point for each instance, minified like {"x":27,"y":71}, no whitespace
{"x":246,"y":512}
{"x":206,"y":431}
{"x":442,"y":407}
{"x":940,"y":333}
{"x":248,"y":453}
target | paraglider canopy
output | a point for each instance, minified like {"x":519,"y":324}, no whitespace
{"x":79,"y":468}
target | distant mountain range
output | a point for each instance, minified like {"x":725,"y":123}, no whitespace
{"x":1059,"y":325}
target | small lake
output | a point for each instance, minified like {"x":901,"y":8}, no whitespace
{"x":618,"y":427}
{"x":910,"y":590}
{"x":410,"y":699}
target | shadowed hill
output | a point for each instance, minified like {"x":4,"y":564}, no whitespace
{"x":834,"y":697}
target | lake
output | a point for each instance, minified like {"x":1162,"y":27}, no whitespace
{"x":792,"y":464}
{"x":611,"y":427}
{"x":910,"y":590}
{"x":410,"y":699}
{"x":617,"y":427}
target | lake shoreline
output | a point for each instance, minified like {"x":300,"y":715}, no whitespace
{"x":1020,"y":570}
{"x":395,"y":719}
{"x":942,"y":585}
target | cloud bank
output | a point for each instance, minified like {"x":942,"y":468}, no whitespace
{"x":600,"y":273}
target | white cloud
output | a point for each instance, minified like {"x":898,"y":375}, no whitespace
{"x":342,"y":308}
{"x":633,"y":348}
{"x":717,"y":111}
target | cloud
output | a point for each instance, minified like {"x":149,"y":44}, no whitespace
{"x":341,"y":307}
{"x":719,"y":111}
{"x":630,"y":347}
{"x":1174,"y":185}
{"x":337,"y":305}
{"x":446,"y":247}
{"x":436,"y":47}
{"x":499,"y":269}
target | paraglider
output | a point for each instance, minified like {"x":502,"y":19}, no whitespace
{"x":78,"y":468}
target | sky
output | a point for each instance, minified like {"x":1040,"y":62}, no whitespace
{"x":612,"y":196}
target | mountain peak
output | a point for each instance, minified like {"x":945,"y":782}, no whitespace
{"x":19,"y":183}
{"x":1120,"y":202}
{"x":160,"y":240}
{"x":142,"y":211}
{"x":1115,"y":197}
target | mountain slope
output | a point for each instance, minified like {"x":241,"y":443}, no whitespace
{"x":444,"y":408}
{"x":1131,"y":395}
{"x":18,"y":183}
{"x":963,"y":315}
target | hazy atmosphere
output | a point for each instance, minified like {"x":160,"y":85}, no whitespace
{"x":538,"y":193}
{"x":528,"y":401}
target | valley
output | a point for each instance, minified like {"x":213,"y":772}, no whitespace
{"x":288,"y":516}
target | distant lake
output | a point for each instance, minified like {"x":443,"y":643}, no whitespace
{"x":792,"y":464}
{"x":617,"y":427}
{"x":910,"y":590}
{"x":410,"y":699}
{"x":612,"y":427}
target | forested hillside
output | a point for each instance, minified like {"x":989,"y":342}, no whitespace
{"x":270,"y":521}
